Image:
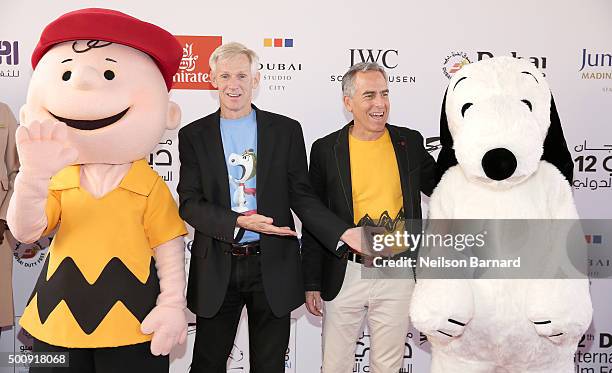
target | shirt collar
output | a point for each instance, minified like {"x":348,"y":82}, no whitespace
{"x":139,"y":179}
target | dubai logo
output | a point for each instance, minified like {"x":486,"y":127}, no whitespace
{"x":538,"y":61}
{"x":30,"y":254}
{"x":194,"y":72}
{"x":454,"y":62}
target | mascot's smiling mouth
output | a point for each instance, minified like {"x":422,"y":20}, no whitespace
{"x":88,"y":125}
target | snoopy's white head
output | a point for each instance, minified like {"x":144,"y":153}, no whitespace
{"x":498,"y":113}
{"x":247,"y":161}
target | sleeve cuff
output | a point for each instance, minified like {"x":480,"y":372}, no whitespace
{"x":341,"y":249}
{"x":312,"y":287}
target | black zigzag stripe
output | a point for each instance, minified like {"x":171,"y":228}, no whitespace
{"x":384,"y":220}
{"x":89,"y":304}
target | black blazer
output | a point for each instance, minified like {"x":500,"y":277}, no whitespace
{"x":282,"y":184}
{"x":330,"y":175}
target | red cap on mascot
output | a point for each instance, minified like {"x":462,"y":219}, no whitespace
{"x":116,"y":27}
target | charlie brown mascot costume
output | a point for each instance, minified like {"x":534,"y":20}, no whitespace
{"x":112,"y":286}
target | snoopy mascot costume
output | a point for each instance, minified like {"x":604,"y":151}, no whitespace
{"x":503,"y":157}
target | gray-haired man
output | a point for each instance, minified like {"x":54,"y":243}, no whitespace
{"x":369,"y":171}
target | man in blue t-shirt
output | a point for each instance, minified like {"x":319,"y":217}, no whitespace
{"x":242,"y":172}
{"x":239,"y":137}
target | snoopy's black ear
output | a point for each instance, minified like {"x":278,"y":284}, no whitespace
{"x":446,"y":157}
{"x":555,"y":147}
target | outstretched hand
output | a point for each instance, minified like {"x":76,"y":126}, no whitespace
{"x":263,"y":224}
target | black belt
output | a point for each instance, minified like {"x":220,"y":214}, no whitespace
{"x":244,"y":249}
{"x":353,"y":256}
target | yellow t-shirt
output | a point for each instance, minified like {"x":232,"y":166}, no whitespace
{"x":99,"y":279}
{"x":377,"y":190}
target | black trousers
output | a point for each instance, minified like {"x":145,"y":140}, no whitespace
{"x":268,"y":334}
{"x":124,"y":359}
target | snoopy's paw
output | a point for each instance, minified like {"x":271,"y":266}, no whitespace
{"x":549,"y":329}
{"x":444,"y":330}
{"x":451,"y":329}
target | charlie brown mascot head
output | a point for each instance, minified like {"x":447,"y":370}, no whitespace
{"x":106,"y":75}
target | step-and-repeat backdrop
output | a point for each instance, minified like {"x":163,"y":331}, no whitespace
{"x":304,"y":48}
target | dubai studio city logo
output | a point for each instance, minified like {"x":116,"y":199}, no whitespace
{"x":277,"y":70}
{"x":389,"y":59}
{"x":277,"y":43}
{"x":194,"y":72}
{"x":454,"y":62}
{"x":593,"y":239}
{"x":595,"y":65}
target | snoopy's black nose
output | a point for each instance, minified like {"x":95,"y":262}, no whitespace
{"x":499,"y":164}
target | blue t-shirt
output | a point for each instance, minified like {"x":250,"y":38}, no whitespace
{"x":239,"y":137}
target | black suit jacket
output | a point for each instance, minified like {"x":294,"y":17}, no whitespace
{"x":282,"y":184}
{"x":330,"y":175}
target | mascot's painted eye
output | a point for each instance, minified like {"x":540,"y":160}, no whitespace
{"x":109,"y":75}
{"x":464,"y":108}
{"x":528,"y":103}
{"x":66,"y":76}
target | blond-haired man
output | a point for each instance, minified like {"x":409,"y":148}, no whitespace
{"x":242,"y":170}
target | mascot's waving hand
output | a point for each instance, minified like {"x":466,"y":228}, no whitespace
{"x":112,"y":287}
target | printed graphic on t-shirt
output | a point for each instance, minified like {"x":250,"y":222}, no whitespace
{"x":389,"y":224}
{"x":385,"y":220}
{"x":243,"y":169}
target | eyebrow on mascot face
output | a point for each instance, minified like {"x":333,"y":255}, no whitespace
{"x":91,"y":44}
{"x":79,"y":46}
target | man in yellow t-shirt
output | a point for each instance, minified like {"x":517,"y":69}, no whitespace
{"x":369,"y":173}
